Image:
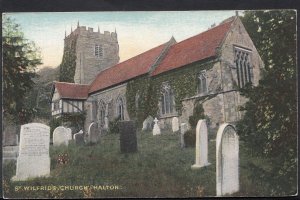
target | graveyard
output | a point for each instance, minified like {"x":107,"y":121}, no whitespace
{"x":159,"y":168}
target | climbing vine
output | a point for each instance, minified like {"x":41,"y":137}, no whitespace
{"x":183,"y":83}
{"x":68,"y":64}
{"x":75,"y":120}
{"x":137,"y":98}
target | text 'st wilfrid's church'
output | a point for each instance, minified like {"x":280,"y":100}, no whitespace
{"x":166,"y":81}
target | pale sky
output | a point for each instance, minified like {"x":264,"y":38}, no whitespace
{"x":137,"y":31}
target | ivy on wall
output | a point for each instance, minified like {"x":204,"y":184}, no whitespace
{"x":68,"y":64}
{"x":138,"y":108}
{"x":182,"y":81}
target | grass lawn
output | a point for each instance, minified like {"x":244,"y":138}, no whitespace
{"x":160,"y":168}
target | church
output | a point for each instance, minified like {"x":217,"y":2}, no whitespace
{"x":167,"y":81}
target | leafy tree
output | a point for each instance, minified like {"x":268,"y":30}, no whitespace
{"x":20,"y":59}
{"x":269,"y":126}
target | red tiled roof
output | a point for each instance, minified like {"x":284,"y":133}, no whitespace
{"x":126,"y":70}
{"x":72,"y":90}
{"x":193,"y":49}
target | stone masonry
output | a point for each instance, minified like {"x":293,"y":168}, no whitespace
{"x":88,"y":65}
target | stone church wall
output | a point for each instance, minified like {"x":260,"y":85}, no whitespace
{"x":109,"y":97}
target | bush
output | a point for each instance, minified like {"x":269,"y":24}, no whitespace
{"x":54,"y":122}
{"x":198,"y":113}
{"x":190,"y":138}
{"x":113,"y":127}
{"x":75,"y":121}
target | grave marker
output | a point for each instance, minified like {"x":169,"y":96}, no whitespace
{"x":61,"y":136}
{"x":79,"y":138}
{"x":128,"y":140}
{"x":147,"y":123}
{"x":183,"y":129}
{"x":93,"y":133}
{"x":227,"y":160}
{"x":33,"y":160}
{"x":175,"y":124}
{"x":156,"y":129}
{"x":201,"y":145}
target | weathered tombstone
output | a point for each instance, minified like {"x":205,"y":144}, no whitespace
{"x":227,"y":160}
{"x":156,"y":129}
{"x":9,"y":135}
{"x":79,"y":138}
{"x":61,"y":136}
{"x":201,"y":145}
{"x":33,"y":160}
{"x":183,"y":129}
{"x":93,"y":133}
{"x":128,"y":140}
{"x":147,"y":123}
{"x":106,"y":122}
{"x":69,"y":134}
{"x":175,"y":124}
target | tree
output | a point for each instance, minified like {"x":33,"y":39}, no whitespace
{"x":20,"y":59}
{"x":269,"y":126}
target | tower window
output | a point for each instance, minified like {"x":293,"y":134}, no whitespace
{"x":243,"y":66}
{"x":98,"y":50}
{"x":202,"y":84}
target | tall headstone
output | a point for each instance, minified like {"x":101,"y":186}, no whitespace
{"x":201,"y":145}
{"x":175,"y":124}
{"x":61,"y":136}
{"x":156,"y":129}
{"x":147,"y":123}
{"x":79,"y":138}
{"x":33,"y":160}
{"x":183,"y":129}
{"x":227,"y":160}
{"x":93,"y":133}
{"x":128,"y":140}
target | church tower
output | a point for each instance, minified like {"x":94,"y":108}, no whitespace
{"x":94,"y":52}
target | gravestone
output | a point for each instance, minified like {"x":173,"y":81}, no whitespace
{"x":147,"y":123}
{"x":128,"y":140}
{"x":69,"y":134}
{"x":183,"y":129}
{"x":156,"y":129}
{"x":33,"y":160}
{"x":9,"y":135}
{"x":175,"y":124}
{"x":61,"y":136}
{"x":79,"y":138}
{"x":201,"y":145}
{"x":227,"y":160}
{"x":106,"y":123}
{"x":93,"y":133}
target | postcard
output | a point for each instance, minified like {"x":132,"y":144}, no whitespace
{"x":149,"y":104}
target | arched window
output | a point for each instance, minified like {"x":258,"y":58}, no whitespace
{"x":120,"y":108}
{"x":167,"y":103}
{"x":202,"y":84}
{"x":101,"y":113}
{"x":243,"y":66}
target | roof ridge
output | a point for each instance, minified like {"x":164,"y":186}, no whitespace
{"x":126,"y":61}
{"x":221,"y":24}
{"x":70,"y":83}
